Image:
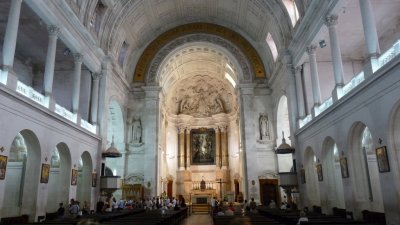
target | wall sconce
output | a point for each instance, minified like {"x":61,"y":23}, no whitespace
{"x":322,"y":44}
{"x":66,"y":51}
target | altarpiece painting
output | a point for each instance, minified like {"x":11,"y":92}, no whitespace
{"x":202,"y":146}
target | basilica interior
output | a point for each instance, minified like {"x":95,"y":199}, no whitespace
{"x":291,"y":101}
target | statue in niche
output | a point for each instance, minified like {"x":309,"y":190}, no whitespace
{"x":136,"y":130}
{"x":264,"y":126}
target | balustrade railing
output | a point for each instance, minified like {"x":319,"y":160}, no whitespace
{"x":326,"y":104}
{"x":86,"y":125}
{"x":32,"y":94}
{"x":65,"y":113}
{"x":209,"y":185}
{"x":388,"y":55}
{"x":305,"y":120}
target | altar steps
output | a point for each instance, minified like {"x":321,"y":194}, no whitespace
{"x":200,"y":208}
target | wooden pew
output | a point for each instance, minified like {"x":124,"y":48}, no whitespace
{"x":373,"y":217}
{"x":14,"y":220}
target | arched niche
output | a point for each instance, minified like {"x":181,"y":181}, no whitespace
{"x":332,"y":174}
{"x":312,"y":185}
{"x":84,"y":186}
{"x":59,"y":177}
{"x":364,"y":173}
{"x":282,"y":127}
{"x":22,"y":176}
{"x":116,"y":135}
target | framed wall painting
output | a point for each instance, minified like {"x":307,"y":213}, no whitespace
{"x":94,"y":179}
{"x":202,"y":146}
{"x":303,"y":176}
{"x":319,"y":172}
{"x":382,"y":159}
{"x":44,"y":176}
{"x":3,"y":166}
{"x":343,"y":167}
{"x":74,"y":177}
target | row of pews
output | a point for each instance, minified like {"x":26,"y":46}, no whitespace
{"x":255,"y":218}
{"x":125,"y":217}
{"x":292,"y":217}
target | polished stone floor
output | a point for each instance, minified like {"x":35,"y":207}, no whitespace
{"x":198,"y":219}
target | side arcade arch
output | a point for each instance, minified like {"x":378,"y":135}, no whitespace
{"x":21,"y":186}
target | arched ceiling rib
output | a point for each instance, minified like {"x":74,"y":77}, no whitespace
{"x":144,"y":20}
{"x":212,"y":29}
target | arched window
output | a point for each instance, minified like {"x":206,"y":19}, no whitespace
{"x":272,"y":46}
{"x":292,"y":10}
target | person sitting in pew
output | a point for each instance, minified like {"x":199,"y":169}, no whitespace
{"x":303,"y":218}
{"x":61,"y":210}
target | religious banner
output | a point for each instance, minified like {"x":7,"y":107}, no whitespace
{"x":202,"y":146}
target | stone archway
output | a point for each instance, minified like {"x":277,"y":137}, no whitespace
{"x":22,"y":187}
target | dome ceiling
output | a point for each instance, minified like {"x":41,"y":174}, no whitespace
{"x":198,"y":80}
{"x":142,"y":21}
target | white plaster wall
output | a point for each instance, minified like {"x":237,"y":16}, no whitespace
{"x":234,"y":154}
{"x":381,"y":92}
{"x":16,"y":116}
{"x":52,"y":195}
{"x":62,"y":88}
{"x":171,"y":158}
{"x":13,"y":179}
{"x":23,"y":71}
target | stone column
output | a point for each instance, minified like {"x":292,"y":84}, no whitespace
{"x":314,"y":75}
{"x":150,"y":127}
{"x":299,"y":93}
{"x":370,"y":33}
{"x":224,"y":147}
{"x":187,"y":166}
{"x":10,"y":36}
{"x":76,"y":82}
{"x":331,"y":22}
{"x":84,"y":99}
{"x":181,"y":148}
{"x":95,"y":97}
{"x":50,"y":60}
{"x":247,"y":125}
{"x":218,"y":162}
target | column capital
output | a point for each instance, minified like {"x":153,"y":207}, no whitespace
{"x":181,"y":130}
{"x":216,"y":129}
{"x":53,"y":30}
{"x":96,"y":76}
{"x":311,"y":49}
{"x":331,"y":20}
{"x":223,"y":128}
{"x":77,"y":57}
{"x":297,"y":70}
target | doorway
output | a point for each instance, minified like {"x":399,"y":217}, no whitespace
{"x":169,"y":189}
{"x":269,"y":191}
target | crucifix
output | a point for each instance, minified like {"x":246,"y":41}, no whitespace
{"x":220,"y":182}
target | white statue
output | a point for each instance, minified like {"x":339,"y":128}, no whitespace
{"x":264,"y":126}
{"x":136,"y":133}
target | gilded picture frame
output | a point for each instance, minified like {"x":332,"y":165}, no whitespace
{"x":94,"y":179}
{"x":74,"y":177}
{"x":3,"y":166}
{"x":202,"y":146}
{"x":45,"y":173}
{"x":343,"y":167}
{"x":303,"y":176}
{"x":319,"y":172}
{"x":382,"y":159}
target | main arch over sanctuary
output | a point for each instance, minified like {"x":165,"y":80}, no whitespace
{"x":197,"y":76}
